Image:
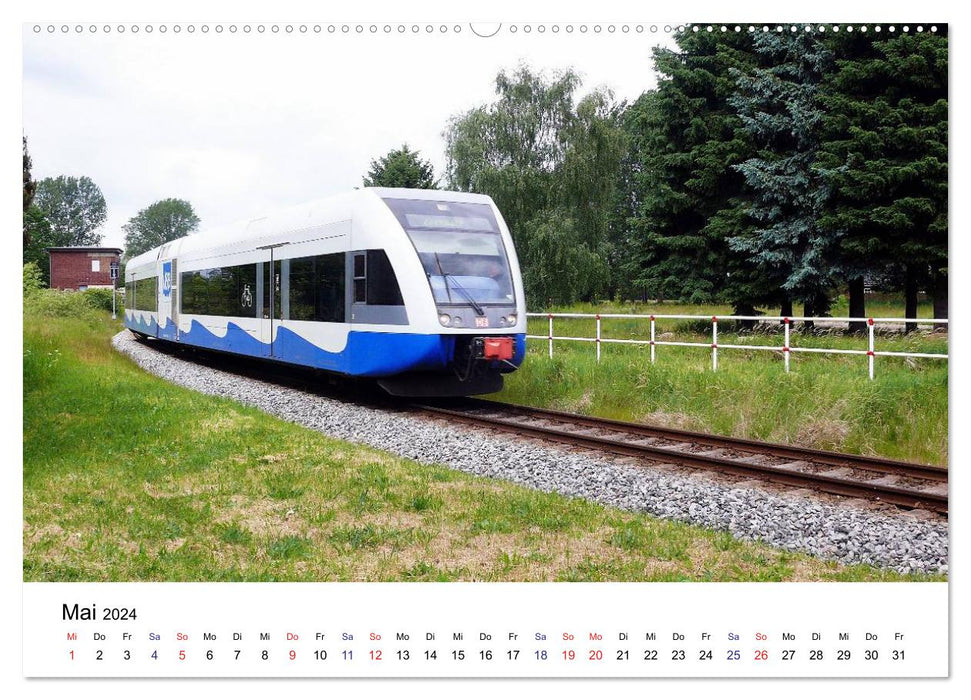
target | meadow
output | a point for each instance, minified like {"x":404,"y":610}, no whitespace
{"x":824,"y":401}
{"x":129,"y":478}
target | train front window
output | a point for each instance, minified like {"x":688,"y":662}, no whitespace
{"x":460,"y":248}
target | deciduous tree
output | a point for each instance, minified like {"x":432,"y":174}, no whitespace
{"x":74,"y":207}
{"x":158,"y":223}
{"x":551,"y":164}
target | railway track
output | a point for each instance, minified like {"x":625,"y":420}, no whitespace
{"x":901,"y":484}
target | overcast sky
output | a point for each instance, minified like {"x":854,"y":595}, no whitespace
{"x":242,"y":124}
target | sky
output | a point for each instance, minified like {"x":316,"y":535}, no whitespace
{"x":243,"y":124}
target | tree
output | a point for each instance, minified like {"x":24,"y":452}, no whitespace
{"x":30,"y":187}
{"x":687,"y":200}
{"x":401,"y":167}
{"x":74,"y":207}
{"x":38,"y":237}
{"x":628,"y":199}
{"x":780,"y":110}
{"x":561,"y":264}
{"x":885,"y":156}
{"x":158,"y":223}
{"x":596,"y":145}
{"x":550,"y":162}
{"x":510,"y":149}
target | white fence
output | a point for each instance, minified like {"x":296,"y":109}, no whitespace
{"x":786,"y":349}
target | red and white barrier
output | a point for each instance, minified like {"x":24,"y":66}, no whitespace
{"x":787,"y":349}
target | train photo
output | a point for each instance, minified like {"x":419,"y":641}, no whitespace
{"x":418,"y":289}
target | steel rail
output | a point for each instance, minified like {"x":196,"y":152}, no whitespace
{"x":816,"y":456}
{"x":902,"y":496}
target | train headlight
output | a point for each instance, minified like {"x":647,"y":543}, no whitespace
{"x":456,"y":321}
{"x":511,"y":319}
{"x":444,"y":319}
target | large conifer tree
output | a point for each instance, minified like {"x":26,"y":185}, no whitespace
{"x":885,"y":156}
{"x":779,"y":106}
{"x":689,"y":200}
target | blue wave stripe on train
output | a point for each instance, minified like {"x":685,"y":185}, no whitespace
{"x":367,"y":353}
{"x":150,"y":327}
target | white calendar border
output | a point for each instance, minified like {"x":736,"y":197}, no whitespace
{"x":822,"y":10}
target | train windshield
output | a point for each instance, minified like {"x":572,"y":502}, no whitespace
{"x":461,"y":249}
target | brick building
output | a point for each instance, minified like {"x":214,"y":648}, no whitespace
{"x":83,"y":267}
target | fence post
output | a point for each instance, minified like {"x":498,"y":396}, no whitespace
{"x":869,"y":352}
{"x":551,"y":336}
{"x":598,"y":337}
{"x":785,"y":344}
{"x":652,"y":337}
{"x":714,"y":343}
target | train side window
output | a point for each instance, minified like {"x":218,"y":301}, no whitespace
{"x":152,"y":293}
{"x":317,"y":288}
{"x":302,"y":282}
{"x":244,"y":287}
{"x":272,"y":282}
{"x":193,"y":297}
{"x":330,"y":288}
{"x":382,"y":287}
{"x":222,"y":292}
{"x":360,"y":278}
{"x":219,"y":291}
{"x":146,"y":294}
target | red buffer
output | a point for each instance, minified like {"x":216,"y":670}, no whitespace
{"x":497,"y":348}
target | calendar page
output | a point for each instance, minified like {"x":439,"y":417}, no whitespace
{"x":440,"y":344}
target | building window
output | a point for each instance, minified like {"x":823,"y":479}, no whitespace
{"x":95,"y":265}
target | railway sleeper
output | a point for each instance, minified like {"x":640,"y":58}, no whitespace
{"x":796,"y":466}
{"x":886,"y":480}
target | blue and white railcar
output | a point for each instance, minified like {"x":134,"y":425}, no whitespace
{"x":418,"y":288}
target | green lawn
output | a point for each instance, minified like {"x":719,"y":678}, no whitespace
{"x":129,"y":478}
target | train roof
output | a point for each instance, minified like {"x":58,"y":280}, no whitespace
{"x":262,"y":230}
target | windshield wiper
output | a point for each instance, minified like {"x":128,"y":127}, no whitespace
{"x":458,"y":287}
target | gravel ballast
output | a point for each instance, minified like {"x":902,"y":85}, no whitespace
{"x":839,"y":532}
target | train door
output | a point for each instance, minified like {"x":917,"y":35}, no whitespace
{"x":165,"y":299}
{"x":174,"y":302}
{"x":269,"y":289}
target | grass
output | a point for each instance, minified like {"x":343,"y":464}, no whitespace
{"x":129,"y":478}
{"x":825,"y":401}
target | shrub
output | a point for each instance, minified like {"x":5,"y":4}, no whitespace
{"x":101,"y":298}
{"x":33,"y":278}
{"x":60,"y":303}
